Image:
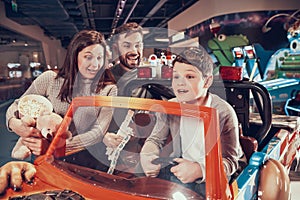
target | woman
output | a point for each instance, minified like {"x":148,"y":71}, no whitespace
{"x":83,"y":73}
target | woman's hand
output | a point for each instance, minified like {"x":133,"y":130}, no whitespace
{"x":112,"y":140}
{"x":24,"y":127}
{"x":186,"y":171}
{"x":37,"y":146}
{"x":13,"y":173}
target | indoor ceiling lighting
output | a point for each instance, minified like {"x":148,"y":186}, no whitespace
{"x":145,"y":31}
{"x":161,"y":39}
{"x":118,"y":12}
{"x":25,"y":44}
{"x":178,"y":36}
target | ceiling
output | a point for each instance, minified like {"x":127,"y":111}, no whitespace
{"x":61,"y":19}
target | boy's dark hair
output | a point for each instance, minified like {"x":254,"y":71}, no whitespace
{"x":198,"y":57}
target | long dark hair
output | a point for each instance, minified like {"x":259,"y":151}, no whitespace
{"x":69,"y":69}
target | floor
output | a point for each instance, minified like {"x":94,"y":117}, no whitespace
{"x":8,"y":139}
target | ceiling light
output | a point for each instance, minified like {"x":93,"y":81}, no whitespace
{"x":145,"y":31}
{"x":25,"y":44}
{"x":161,"y":39}
{"x":178,"y":36}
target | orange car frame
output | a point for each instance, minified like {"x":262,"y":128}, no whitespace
{"x":51,"y":177}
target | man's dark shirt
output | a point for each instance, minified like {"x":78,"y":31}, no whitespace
{"x":117,"y":71}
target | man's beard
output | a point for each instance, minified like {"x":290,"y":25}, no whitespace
{"x":132,"y":64}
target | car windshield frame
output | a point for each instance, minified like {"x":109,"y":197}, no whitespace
{"x":216,"y":183}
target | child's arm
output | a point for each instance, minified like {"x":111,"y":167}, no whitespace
{"x":187,"y":171}
{"x":149,"y":153}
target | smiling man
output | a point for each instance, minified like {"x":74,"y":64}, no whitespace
{"x":128,"y":47}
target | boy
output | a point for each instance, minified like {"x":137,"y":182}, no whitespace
{"x":192,"y":77}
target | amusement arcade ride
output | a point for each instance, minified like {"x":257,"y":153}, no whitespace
{"x":269,"y":147}
{"x":270,"y":151}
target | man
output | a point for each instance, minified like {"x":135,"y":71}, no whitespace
{"x":128,"y":47}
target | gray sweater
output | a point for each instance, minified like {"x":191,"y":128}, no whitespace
{"x":89,"y":123}
{"x":231,"y":148}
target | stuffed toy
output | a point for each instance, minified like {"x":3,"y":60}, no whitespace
{"x":47,"y":123}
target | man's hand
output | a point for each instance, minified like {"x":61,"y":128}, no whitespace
{"x":112,"y":140}
{"x":186,"y":171}
{"x":12,"y":174}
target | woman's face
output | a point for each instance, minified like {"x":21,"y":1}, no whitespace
{"x":90,"y":60}
{"x":188,"y":83}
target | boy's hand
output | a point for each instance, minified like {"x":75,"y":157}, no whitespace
{"x":186,"y":171}
{"x":149,"y":168}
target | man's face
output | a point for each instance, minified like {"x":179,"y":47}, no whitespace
{"x":188,"y":83}
{"x":130,"y":48}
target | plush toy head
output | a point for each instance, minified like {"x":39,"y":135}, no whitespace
{"x":48,"y":123}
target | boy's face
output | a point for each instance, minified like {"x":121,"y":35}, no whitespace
{"x":130,"y":48}
{"x":188,"y":83}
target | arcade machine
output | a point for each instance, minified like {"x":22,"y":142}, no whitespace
{"x":235,"y":50}
{"x":245,"y":56}
{"x":35,"y":69}
{"x":286,"y":62}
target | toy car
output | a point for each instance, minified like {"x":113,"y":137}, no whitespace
{"x":270,"y":150}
